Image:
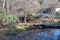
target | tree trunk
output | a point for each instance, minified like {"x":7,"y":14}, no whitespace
{"x":7,"y":5}
{"x":3,"y":3}
{"x":52,"y":12}
{"x":25,"y":18}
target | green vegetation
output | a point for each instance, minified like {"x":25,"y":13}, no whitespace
{"x":40,"y":1}
{"x":35,"y":17}
{"x":55,"y":24}
{"x":13,"y":2}
{"x":11,"y":10}
{"x":11,"y":21}
{"x":2,"y":32}
{"x":57,"y":15}
{"x":45,"y":21}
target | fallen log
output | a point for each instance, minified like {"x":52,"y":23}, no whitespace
{"x":43,"y":27}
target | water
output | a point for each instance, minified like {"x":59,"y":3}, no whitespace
{"x":52,"y":34}
{"x":46,"y":15}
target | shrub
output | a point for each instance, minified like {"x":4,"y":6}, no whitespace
{"x":1,"y":32}
{"x":10,"y":20}
{"x":10,"y":32}
{"x":2,"y":10}
{"x":13,"y":32}
{"x":31,"y":18}
{"x":34,"y":17}
{"x":0,"y":17}
{"x":7,"y":20}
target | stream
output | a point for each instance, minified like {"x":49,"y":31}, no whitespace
{"x":51,"y":34}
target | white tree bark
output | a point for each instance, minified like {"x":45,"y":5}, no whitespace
{"x":3,"y":3}
{"x":6,"y":5}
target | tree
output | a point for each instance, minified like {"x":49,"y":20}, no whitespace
{"x":3,"y":4}
{"x":50,"y":4}
{"x":27,"y":7}
{"x":7,"y":5}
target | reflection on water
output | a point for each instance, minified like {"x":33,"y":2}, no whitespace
{"x":52,"y":34}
